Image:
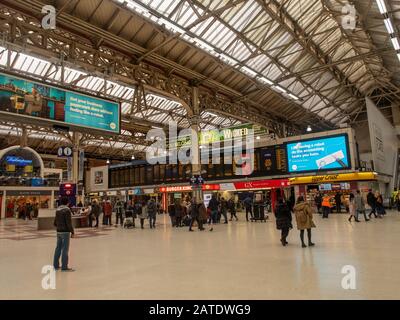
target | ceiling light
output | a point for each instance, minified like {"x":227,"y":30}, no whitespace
{"x":382,"y":6}
{"x":248,"y":71}
{"x":293,"y":96}
{"x":309,"y":129}
{"x":108,"y":161}
{"x":395,"y":43}
{"x":133,"y":157}
{"x":265,"y":81}
{"x":258,"y":137}
{"x":398,"y":56}
{"x":389,"y":25}
{"x":281,"y":89}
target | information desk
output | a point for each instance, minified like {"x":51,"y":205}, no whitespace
{"x":46,"y":220}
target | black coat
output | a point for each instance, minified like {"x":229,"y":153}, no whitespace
{"x":283,"y":216}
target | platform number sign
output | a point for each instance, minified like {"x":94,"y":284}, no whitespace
{"x":64,"y":152}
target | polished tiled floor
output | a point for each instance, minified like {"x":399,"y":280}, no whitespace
{"x":237,"y":261}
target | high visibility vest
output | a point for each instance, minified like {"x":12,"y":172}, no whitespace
{"x":326,"y":202}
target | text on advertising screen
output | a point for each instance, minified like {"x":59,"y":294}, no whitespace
{"x":330,"y":153}
{"x":28,"y":98}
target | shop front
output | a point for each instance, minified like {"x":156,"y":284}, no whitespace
{"x":19,"y":203}
{"x":170,"y":194}
{"x":261,"y":191}
{"x":333,"y":184}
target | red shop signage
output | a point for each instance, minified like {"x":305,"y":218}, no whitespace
{"x":259,"y":184}
{"x":208,"y":187}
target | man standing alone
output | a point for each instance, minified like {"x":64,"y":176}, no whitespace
{"x":65,"y":231}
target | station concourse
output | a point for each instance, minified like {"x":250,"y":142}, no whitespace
{"x":209,"y":150}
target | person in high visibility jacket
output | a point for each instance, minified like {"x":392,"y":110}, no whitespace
{"x":326,"y":206}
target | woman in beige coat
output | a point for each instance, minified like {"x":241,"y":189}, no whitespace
{"x":304,"y":219}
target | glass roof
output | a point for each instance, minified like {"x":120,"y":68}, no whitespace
{"x":248,"y":37}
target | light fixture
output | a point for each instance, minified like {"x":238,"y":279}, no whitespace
{"x":258,"y":137}
{"x":389,"y":25}
{"x":248,"y":71}
{"x":108,"y":161}
{"x":293,"y":96}
{"x":395,"y":43}
{"x":133,"y":157}
{"x":281,"y":89}
{"x":309,"y":129}
{"x":265,"y":81}
{"x":382,"y":6}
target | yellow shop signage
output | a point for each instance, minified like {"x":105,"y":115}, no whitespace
{"x":334,"y":178}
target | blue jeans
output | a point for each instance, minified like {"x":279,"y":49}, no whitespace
{"x":62,"y":249}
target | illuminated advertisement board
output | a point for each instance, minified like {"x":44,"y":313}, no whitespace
{"x":318,"y":154}
{"x":33,"y":100}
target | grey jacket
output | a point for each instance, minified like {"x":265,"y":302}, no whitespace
{"x":359,"y":202}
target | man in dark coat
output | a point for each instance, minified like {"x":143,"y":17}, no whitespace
{"x":318,"y":201}
{"x":248,"y":204}
{"x":65,"y":231}
{"x":338,"y":200}
{"x":195,"y":215}
{"x":283,"y":220}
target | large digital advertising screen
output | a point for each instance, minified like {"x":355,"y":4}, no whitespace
{"x":319,"y":154}
{"x":32,"y":99}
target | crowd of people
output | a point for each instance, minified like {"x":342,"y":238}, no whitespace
{"x":182,"y":212}
{"x":23,"y":210}
{"x":354,"y":204}
{"x":189,"y":210}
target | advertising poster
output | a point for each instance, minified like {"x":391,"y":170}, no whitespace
{"x":98,"y":177}
{"x":327,"y":153}
{"x":28,"y":98}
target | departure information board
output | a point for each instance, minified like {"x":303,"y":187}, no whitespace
{"x":273,"y":160}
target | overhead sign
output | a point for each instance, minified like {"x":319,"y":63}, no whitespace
{"x":135,"y":192}
{"x":28,"y":99}
{"x":176,"y":189}
{"x":18,"y":161}
{"x":326,"y":153}
{"x":343,"y":177}
{"x":273,"y":160}
{"x":262,"y":184}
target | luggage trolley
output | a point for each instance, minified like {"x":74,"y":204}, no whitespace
{"x":259,"y":213}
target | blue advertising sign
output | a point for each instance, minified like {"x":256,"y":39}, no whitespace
{"x":27,"y":99}
{"x":326,"y":153}
{"x":91,"y":112}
